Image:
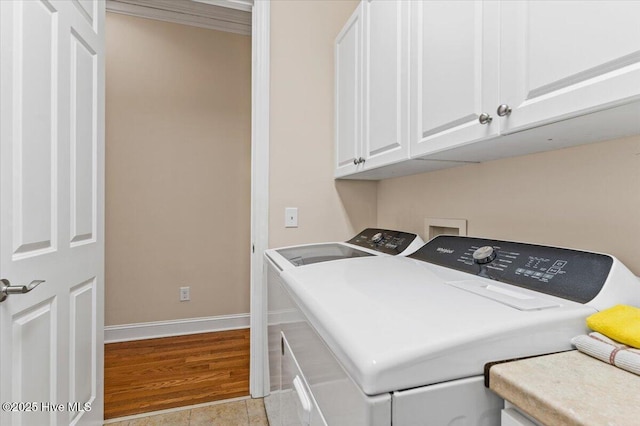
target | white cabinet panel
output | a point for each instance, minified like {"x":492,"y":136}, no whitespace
{"x":371,"y":118}
{"x":348,"y":100}
{"x":562,"y":59}
{"x":454,"y":68}
{"x":385,"y":82}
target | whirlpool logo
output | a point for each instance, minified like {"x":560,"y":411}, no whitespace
{"x":444,"y":250}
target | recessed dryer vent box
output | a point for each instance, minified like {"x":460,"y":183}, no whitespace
{"x":439,"y":226}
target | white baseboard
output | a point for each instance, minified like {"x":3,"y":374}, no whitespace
{"x":152,"y":330}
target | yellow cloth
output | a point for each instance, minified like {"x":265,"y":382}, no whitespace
{"x":620,"y":323}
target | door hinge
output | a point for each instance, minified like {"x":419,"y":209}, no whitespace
{"x":253,"y":248}
{"x":282,"y":345}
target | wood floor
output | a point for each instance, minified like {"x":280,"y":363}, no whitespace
{"x":156,"y":374}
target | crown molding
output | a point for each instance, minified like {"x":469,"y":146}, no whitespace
{"x":221,"y":15}
{"x":245,"y":5}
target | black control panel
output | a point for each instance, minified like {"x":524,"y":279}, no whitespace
{"x":383,"y":240}
{"x":570,"y":274}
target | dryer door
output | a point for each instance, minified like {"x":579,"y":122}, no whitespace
{"x":298,"y":407}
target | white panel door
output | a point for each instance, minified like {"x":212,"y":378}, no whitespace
{"x":51,"y":211}
{"x":385,"y":93}
{"x":561,"y":59}
{"x":348,"y":92}
{"x":454,"y":73}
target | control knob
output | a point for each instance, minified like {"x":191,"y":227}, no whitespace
{"x":377,"y":237}
{"x":484,"y":255}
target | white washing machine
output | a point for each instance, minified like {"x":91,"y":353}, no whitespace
{"x":371,"y":242}
{"x":404,"y":340}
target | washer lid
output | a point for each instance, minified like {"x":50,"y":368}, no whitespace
{"x":396,"y":323}
{"x":310,"y":254}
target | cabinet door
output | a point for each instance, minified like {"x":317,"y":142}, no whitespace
{"x":454,"y":73}
{"x":348,"y":64}
{"x":562,"y":59}
{"x":385,"y":108}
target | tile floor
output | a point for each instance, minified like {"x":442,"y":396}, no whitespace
{"x":246,"y":412}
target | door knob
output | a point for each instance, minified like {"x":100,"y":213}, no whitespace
{"x":485,"y":118}
{"x":503,"y":110}
{"x":6,"y":288}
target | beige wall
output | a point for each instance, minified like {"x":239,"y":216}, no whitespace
{"x":178,"y":140}
{"x":301,"y":146}
{"x":586,"y":197}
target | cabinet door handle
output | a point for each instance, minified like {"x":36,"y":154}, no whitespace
{"x":356,"y":161}
{"x":503,"y":110}
{"x":485,"y":118}
{"x":361,"y":160}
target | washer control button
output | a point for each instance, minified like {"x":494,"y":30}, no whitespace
{"x":377,"y":237}
{"x":484,"y":255}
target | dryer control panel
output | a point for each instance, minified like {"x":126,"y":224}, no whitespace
{"x":571,"y":274}
{"x":384,"y":240}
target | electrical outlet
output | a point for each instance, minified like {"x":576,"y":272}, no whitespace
{"x":185,"y":294}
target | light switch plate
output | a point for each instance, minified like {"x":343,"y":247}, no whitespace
{"x":291,"y":217}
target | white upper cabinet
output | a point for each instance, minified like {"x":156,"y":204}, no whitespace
{"x":348,"y":95}
{"x":385,"y":92}
{"x":423,"y":83}
{"x":561,"y":59}
{"x":371,"y":93}
{"x":455,"y":73}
